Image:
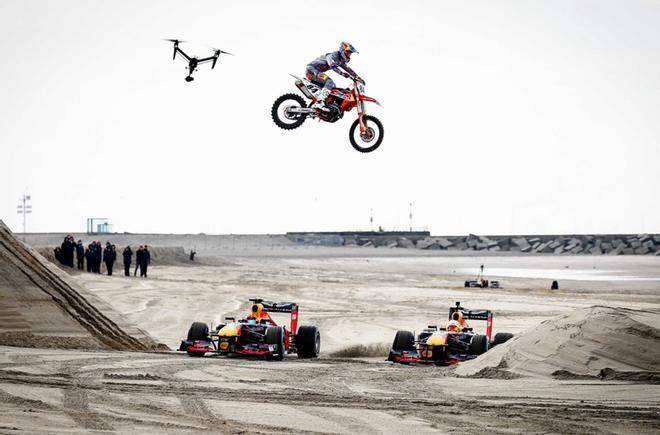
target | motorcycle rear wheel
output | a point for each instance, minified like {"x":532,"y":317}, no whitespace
{"x":279,"y":112}
{"x":369,"y":140}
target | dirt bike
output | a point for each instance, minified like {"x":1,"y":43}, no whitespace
{"x":290,"y":111}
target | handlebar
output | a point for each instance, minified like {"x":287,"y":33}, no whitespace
{"x":358,"y":79}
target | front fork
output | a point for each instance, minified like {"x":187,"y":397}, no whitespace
{"x":361,"y":113}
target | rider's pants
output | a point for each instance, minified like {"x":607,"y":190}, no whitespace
{"x":320,"y":78}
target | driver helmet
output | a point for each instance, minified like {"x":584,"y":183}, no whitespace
{"x":256,"y":311}
{"x":454,"y":326}
{"x":458,"y":316}
{"x":345,"y":50}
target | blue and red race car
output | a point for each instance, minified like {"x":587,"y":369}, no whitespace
{"x":443,"y":346}
{"x":255,"y":335}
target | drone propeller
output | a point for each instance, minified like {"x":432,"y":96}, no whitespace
{"x":218,"y":51}
{"x":176,"y":43}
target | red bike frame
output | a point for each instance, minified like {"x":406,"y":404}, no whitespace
{"x":357,"y":100}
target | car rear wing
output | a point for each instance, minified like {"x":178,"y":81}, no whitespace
{"x":277,"y":307}
{"x":486,"y":315}
{"x":281,"y":307}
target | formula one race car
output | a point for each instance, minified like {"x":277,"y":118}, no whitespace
{"x":482,"y":282}
{"x":443,"y":346}
{"x":257,"y":334}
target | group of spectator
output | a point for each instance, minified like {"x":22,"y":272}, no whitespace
{"x":94,"y":255}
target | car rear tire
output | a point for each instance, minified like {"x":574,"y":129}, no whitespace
{"x":275,"y":335}
{"x":501,"y":337}
{"x":308,"y":342}
{"x":479,"y":344}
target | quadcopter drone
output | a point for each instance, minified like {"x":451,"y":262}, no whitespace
{"x":193,"y":62}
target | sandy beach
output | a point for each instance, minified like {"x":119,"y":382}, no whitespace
{"x":358,"y":298}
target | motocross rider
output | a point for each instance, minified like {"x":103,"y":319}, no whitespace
{"x":336,"y":61}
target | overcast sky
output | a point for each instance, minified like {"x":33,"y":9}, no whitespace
{"x":500,"y":117}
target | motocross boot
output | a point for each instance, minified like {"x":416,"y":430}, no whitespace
{"x":320,"y":100}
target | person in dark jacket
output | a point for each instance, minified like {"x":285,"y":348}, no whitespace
{"x":98,"y":257}
{"x":68,"y":249}
{"x":146,"y":260}
{"x":139,"y":256}
{"x":80,"y":255}
{"x":95,"y":256}
{"x":128,"y":256}
{"x":89,"y":258}
{"x":109,"y":257}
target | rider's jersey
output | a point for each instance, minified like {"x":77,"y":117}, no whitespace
{"x":332,"y":61}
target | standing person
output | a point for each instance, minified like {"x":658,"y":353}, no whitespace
{"x":58,"y":254}
{"x":128,"y":255}
{"x":108,"y":257}
{"x":98,"y":258}
{"x":139,"y":255}
{"x":89,"y":257}
{"x":67,"y":251}
{"x":72,"y":251}
{"x":146,"y":259}
{"x":94,"y":250}
{"x":80,"y":255}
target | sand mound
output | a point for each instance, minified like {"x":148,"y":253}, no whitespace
{"x":41,"y":307}
{"x":599,"y":341}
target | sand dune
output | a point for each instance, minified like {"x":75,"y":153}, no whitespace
{"x":41,"y":307}
{"x":598,"y":341}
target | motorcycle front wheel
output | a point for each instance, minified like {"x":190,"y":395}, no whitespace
{"x":371,"y":138}
{"x":281,"y":115}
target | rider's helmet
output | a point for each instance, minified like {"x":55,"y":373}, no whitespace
{"x":345,"y":50}
{"x":454,"y":326}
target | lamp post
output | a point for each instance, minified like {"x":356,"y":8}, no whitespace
{"x":410,"y":217}
{"x":371,"y":219}
{"x":24,"y":208}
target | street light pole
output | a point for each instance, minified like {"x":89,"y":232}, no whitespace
{"x":371,"y":219}
{"x":410,"y":216}
{"x":24,"y":208}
